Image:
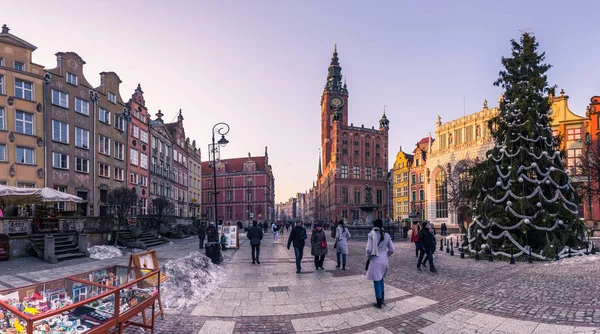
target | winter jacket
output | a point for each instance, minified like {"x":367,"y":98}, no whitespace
{"x":297,"y":237}
{"x":255,"y":234}
{"x":315,"y":243}
{"x":427,"y":239}
{"x":341,"y":239}
{"x":201,"y":232}
{"x":379,"y":265}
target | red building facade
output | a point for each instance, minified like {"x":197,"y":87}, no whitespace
{"x":245,"y":188}
{"x":139,"y":149}
{"x":417,"y":181}
{"x":351,"y":157}
{"x":592,"y":214}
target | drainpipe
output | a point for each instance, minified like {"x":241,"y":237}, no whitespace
{"x":94,"y":97}
{"x":47,"y":79}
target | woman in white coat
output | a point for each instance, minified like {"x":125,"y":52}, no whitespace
{"x":379,"y":248}
{"x":342,"y":234}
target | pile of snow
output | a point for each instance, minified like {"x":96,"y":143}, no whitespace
{"x":191,"y":280}
{"x":576,"y":260}
{"x":104,"y":252}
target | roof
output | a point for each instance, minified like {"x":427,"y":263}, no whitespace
{"x":235,"y":165}
{"x":9,"y":38}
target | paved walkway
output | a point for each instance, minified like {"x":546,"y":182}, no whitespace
{"x":465,"y":296}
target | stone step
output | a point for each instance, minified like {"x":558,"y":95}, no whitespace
{"x":68,"y":256}
{"x":73,"y":249}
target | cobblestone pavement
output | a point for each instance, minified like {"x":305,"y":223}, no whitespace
{"x":465,"y":296}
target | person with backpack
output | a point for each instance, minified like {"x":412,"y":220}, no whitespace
{"x":379,"y":248}
{"x":275,"y":230}
{"x":296,"y":238}
{"x":342,"y":234}
{"x":255,"y":234}
{"x":318,"y":246}
{"x":427,"y":247}
{"x":414,"y":237}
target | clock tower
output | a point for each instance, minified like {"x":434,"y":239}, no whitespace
{"x":334,"y":107}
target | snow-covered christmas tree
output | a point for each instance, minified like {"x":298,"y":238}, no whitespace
{"x":524,"y":201}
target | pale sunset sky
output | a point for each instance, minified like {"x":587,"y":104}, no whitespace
{"x":260,"y":65}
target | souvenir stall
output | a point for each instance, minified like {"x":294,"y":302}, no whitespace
{"x":99,"y":301}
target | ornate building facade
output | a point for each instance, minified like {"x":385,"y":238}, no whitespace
{"x":195,"y":179}
{"x":417,"y":179}
{"x":22,"y":161}
{"x":352,"y":156}
{"x":139,"y":149}
{"x":592,"y":207}
{"x":160,"y":162}
{"x":400,"y":188}
{"x":179,"y":166}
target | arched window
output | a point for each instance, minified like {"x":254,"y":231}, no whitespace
{"x":441,"y":195}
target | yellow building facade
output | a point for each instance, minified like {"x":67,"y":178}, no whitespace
{"x":401,"y":185}
{"x":21,"y":114}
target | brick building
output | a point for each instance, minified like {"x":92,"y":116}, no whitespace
{"x":418,"y":175}
{"x":351,"y":157}
{"x":139,"y":149}
{"x":21,"y":114}
{"x":245,"y":189}
{"x":179,"y":166}
{"x":592,"y":213}
{"x":160,"y":161}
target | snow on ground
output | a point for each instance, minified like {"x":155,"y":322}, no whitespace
{"x":576,"y":260}
{"x":104,"y":252}
{"x":191,"y":280}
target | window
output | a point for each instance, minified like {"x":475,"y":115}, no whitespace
{"x":119,"y":150}
{"x":103,"y":145}
{"x":143,"y":161}
{"x":368,"y":173}
{"x":356,"y":152}
{"x":458,"y":136}
{"x":135,"y":131}
{"x":344,"y":151}
{"x":133,"y":154}
{"x":443,"y":141}
{"x":574,"y":160}
{"x":249,"y":195}
{"x":82,"y":165}
{"x":24,"y":90}
{"x":574,"y":134}
{"x":119,"y":123}
{"x":344,"y":214}
{"x":414,"y":196}
{"x":345,"y":195}
{"x":414,"y":178}
{"x":422,"y":194}
{"x":405,"y":191}
{"x":344,"y":171}
{"x":1,"y":61}
{"x":356,"y":195}
{"x":228,"y":195}
{"x":379,"y":173}
{"x":405,"y":177}
{"x":405,"y":206}
{"x":441,"y":195}
{"x":417,"y":162}
{"x":19,"y":66}
{"x":2,"y":152}
{"x":421,"y":179}
{"x":144,"y":136}
{"x":1,"y":84}
{"x":119,"y":174}
{"x":133,"y":178}
{"x":60,"y":160}
{"x":82,"y":106}
{"x":379,"y":196}
{"x":104,"y":116}
{"x":24,"y":123}
{"x":72,"y":79}
{"x":229,"y":182}
{"x":355,"y":214}
{"x":60,"y":131}
{"x":112,"y":97}
{"x":25,"y":156}
{"x":82,"y":138}
{"x":398,"y":192}
{"x":60,"y":99}
{"x":229,"y":213}
{"x":469,"y":133}
{"x":398,"y":178}
{"x":104,"y":170}
{"x":2,"y":119}
{"x":61,"y":206}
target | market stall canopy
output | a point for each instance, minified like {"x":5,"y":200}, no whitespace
{"x":15,"y":196}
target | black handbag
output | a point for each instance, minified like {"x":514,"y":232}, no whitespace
{"x":368,"y":262}
{"x":335,"y":245}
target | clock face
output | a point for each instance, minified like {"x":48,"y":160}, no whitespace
{"x":336,"y":102}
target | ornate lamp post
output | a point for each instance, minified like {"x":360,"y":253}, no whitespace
{"x":221,"y":129}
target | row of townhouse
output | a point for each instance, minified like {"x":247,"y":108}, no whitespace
{"x":421,"y":177}
{"x":59,"y":131}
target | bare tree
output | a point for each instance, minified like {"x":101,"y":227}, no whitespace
{"x":120,"y":201}
{"x":162,"y":208}
{"x":459,"y":187}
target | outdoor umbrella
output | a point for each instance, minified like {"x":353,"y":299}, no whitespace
{"x":15,"y":196}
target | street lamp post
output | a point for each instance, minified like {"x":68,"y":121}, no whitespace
{"x":221,"y":129}
{"x":588,"y":143}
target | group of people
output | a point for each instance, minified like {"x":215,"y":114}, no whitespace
{"x":423,"y":235}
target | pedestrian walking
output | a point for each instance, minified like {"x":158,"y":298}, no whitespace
{"x":414,"y":237}
{"x":296,"y":238}
{"x":265,"y":226}
{"x":287,"y":227}
{"x":379,"y":248}
{"x":318,"y":246}
{"x":275,"y":229}
{"x":223,"y":242}
{"x":202,"y":234}
{"x":342,"y":234}
{"x":255,"y":235}
{"x":405,"y":230}
{"x":444,"y":229}
{"x":427,"y":247}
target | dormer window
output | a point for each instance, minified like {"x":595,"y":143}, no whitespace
{"x":19,"y":66}
{"x":112,"y":97}
{"x":1,"y":61}
{"x":71,"y":79}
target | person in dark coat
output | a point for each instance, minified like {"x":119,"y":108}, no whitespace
{"x":296,"y":238}
{"x":202,"y":234}
{"x":255,"y":234}
{"x":318,"y":243}
{"x":427,"y":246}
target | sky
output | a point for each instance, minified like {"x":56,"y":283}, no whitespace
{"x":260,"y":65}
